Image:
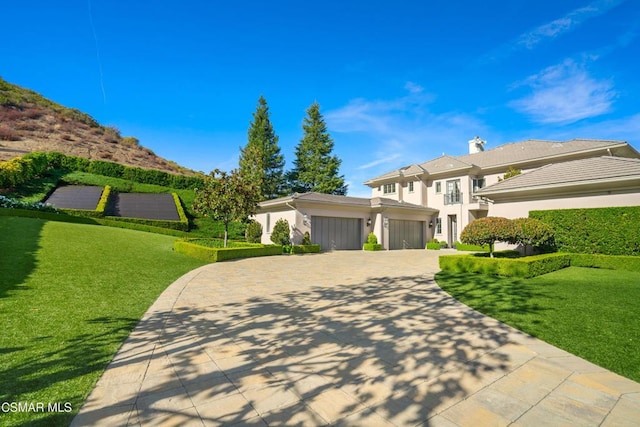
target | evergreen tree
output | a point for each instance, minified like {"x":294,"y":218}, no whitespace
{"x":260,"y":160}
{"x":315,"y":168}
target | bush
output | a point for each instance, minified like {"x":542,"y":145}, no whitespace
{"x":181,"y":214}
{"x":8,"y":203}
{"x":611,"y":262}
{"x":435,"y":246}
{"x":372,"y":247}
{"x":487,"y":231}
{"x":305,"y":249}
{"x":253,"y":232}
{"x":208,"y":254}
{"x":531,"y":232}
{"x":306,"y":238}
{"x":525,"y":267}
{"x":372,"y":239}
{"x":609,"y":231}
{"x":281,"y":233}
{"x":471,"y":248}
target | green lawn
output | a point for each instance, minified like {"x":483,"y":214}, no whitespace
{"x":69,"y":295}
{"x":591,"y":313}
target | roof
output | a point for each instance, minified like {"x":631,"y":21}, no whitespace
{"x":511,"y":154}
{"x":312,"y":197}
{"x":593,"y":170}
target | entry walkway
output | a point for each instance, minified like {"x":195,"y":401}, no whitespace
{"x":346,"y":338}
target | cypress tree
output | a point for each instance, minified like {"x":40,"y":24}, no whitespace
{"x":260,"y":160}
{"x":315,"y":167}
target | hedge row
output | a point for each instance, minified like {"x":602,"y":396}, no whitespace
{"x":609,"y":231}
{"x":173,"y":225}
{"x":372,"y":247}
{"x":471,"y":248}
{"x":526,"y":267}
{"x":305,"y":249}
{"x":610,"y":262}
{"x":208,"y":254}
{"x":100,"y":208}
{"x":22,"y":169}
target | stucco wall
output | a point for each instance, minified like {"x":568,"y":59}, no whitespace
{"x":522,"y":208}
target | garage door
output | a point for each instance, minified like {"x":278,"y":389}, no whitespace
{"x":333,"y":233}
{"x":406,"y":234}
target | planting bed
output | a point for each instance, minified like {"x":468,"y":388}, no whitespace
{"x":75,"y":197}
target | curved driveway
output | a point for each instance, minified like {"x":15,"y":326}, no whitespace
{"x":344,"y":338}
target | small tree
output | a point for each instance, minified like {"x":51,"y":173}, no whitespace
{"x":253,"y":232}
{"x":281,"y":233}
{"x":226,"y":197}
{"x":510,"y":173}
{"x":531,"y":232}
{"x":487,"y":231}
{"x":306,"y":238}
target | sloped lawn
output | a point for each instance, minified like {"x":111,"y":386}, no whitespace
{"x":589,"y":312}
{"x":69,"y":295}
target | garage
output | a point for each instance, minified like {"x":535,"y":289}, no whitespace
{"x":334,"y":233}
{"x":406,"y":234}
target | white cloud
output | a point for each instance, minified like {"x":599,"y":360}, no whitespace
{"x":565,"y":93}
{"x":381,"y":159}
{"x":566,"y":23}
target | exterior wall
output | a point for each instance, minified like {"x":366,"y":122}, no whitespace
{"x":518,"y":209}
{"x":415,"y":196}
{"x":292,"y":217}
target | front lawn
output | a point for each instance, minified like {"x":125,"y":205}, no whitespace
{"x":69,"y":295}
{"x":592,"y":313}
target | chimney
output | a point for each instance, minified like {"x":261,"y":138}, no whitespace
{"x":476,"y":145}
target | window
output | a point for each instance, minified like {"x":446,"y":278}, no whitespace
{"x":389,"y":188}
{"x":453,"y":196}
{"x":268,"y":223}
{"x":438,"y":225}
{"x":478,"y":183}
{"x":411,"y":187}
{"x":438,"y":187}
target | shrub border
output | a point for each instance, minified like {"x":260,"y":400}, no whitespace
{"x":305,"y":249}
{"x":211,"y":255}
{"x":372,"y":247}
{"x":526,"y":267}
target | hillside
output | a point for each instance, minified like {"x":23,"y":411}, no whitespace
{"x":31,"y":122}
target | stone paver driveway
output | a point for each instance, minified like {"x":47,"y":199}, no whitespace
{"x":345,"y":338}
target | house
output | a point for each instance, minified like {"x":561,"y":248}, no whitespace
{"x":438,"y":198}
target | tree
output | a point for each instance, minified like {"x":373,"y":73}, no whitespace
{"x":260,"y":160}
{"x":226,"y":197}
{"x":315,"y":168}
{"x":487,"y":231}
{"x":531,"y":232}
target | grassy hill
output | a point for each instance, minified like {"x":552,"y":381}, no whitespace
{"x":30,"y":122}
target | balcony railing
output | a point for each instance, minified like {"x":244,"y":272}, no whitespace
{"x":453,"y":198}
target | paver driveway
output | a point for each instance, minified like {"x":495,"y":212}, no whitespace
{"x":345,"y":338}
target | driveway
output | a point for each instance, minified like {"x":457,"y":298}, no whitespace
{"x":344,"y":338}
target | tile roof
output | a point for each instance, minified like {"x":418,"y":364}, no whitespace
{"x":341,"y":201}
{"x":576,"y":172}
{"x":505,"y":155}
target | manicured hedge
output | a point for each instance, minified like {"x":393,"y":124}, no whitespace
{"x":372,"y":247}
{"x":180,"y":208}
{"x":433,"y":246}
{"x":89,"y":213}
{"x":609,"y":231}
{"x":611,"y":262}
{"x":208,"y":254}
{"x":22,"y":169}
{"x":305,"y":249}
{"x":174,"y":225}
{"x":525,"y":267}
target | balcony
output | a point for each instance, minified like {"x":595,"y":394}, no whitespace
{"x":454,"y":198}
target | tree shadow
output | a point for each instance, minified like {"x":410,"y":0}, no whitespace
{"x":19,"y":244}
{"x":390,"y":348}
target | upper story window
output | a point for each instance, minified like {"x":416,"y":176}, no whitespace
{"x":411,"y":187}
{"x":389,"y":188}
{"x":438,"y":187}
{"x":453,"y":195}
{"x":478,"y":183}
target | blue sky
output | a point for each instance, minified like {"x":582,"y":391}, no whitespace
{"x":398,"y":82}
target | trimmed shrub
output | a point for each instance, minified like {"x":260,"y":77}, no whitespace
{"x":487,"y":231}
{"x":305,"y":249}
{"x":208,"y":254}
{"x":525,"y":267}
{"x":531,"y":232}
{"x":281,"y":233}
{"x":253,"y":232}
{"x":609,"y":231}
{"x":104,"y":200}
{"x":306,"y":238}
{"x":372,"y":247}
{"x":181,"y":214}
{"x":174,"y":225}
{"x":611,"y":262}
{"x":435,"y":246}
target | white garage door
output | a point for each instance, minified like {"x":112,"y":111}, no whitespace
{"x":406,"y":234}
{"x":333,"y":233}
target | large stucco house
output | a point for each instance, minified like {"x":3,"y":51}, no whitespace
{"x":438,"y":198}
